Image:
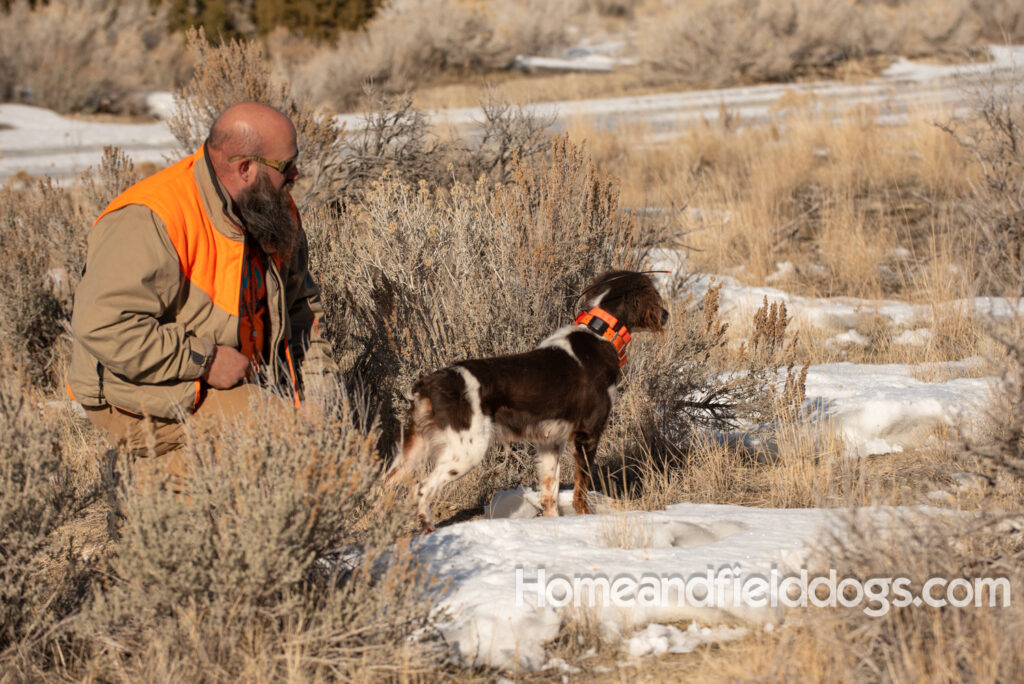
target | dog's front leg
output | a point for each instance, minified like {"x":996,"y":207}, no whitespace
{"x":548,"y":463}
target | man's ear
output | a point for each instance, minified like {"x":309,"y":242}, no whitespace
{"x":246,"y":170}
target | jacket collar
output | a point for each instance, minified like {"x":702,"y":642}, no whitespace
{"x":216,"y":200}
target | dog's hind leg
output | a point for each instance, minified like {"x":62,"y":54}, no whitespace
{"x":548,"y":457}
{"x":416,"y":445}
{"x":414,"y":451}
{"x":463,"y":451}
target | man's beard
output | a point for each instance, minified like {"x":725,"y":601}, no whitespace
{"x":267,"y":215}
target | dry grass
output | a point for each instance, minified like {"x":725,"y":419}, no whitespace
{"x":831,"y":197}
{"x":518,"y":87}
{"x":822,"y":207}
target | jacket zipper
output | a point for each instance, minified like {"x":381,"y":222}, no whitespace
{"x":282,"y":375}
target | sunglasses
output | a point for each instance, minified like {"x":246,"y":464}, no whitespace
{"x":283,"y":167}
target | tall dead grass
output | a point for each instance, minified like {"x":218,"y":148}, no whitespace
{"x":834,"y":196}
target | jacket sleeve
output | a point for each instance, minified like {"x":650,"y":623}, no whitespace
{"x":132,"y":279}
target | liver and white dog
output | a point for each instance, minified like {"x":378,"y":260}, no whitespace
{"x":560,"y":392}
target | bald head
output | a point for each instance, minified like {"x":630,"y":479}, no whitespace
{"x":246,"y":128}
{"x":249,"y":129}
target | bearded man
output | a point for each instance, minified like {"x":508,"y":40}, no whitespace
{"x":196,"y":295}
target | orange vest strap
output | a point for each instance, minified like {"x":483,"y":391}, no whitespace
{"x":208,"y":258}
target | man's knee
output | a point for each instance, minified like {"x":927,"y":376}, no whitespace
{"x":134,"y":434}
{"x":155,"y":447}
{"x":238,"y":401}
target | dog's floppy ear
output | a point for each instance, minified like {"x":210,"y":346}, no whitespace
{"x":581,"y":297}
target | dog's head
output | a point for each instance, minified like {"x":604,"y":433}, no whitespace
{"x":629,"y":296}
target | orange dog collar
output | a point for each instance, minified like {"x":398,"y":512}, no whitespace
{"x":608,"y":327}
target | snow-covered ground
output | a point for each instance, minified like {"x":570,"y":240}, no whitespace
{"x":880,"y":409}
{"x":43,"y":143}
{"x":739,"y":301}
{"x":504,"y":578}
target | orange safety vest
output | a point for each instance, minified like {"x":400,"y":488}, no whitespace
{"x":209,"y":259}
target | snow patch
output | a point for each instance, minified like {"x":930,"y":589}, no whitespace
{"x":524,"y":502}
{"x":656,"y":640}
{"x":849,"y":338}
{"x":738,"y":302}
{"x":884,"y":408}
{"x":917,"y":337}
{"x":495,"y":620}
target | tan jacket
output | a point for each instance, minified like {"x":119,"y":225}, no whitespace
{"x":144,"y":331}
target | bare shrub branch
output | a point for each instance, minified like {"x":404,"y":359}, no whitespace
{"x":236,"y":72}
{"x":994,"y":215}
{"x":275,"y":558}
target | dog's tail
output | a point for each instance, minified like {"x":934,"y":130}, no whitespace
{"x":414,"y":446}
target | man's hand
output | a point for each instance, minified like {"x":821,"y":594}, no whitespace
{"x":228,"y":368}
